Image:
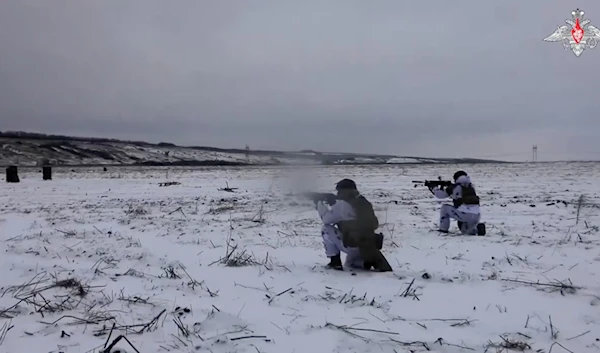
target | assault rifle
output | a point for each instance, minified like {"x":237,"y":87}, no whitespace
{"x":433,"y":183}
{"x":326,"y":197}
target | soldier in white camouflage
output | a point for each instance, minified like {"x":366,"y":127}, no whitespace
{"x":349,"y":227}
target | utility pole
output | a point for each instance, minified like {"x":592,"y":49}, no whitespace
{"x":534,"y":153}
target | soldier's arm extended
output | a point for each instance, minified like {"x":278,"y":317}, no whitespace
{"x":340,"y":211}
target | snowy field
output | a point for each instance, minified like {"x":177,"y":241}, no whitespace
{"x":92,"y":256}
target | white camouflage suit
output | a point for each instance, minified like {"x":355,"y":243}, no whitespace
{"x":332,"y":237}
{"x":468,"y":214}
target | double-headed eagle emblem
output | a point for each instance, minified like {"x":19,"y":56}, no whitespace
{"x":578,"y":35}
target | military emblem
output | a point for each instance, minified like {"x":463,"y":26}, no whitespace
{"x":578,"y":35}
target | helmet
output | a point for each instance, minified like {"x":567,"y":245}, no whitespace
{"x":459,"y":174}
{"x":345,"y":184}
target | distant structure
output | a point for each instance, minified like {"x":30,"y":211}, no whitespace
{"x":534,"y":153}
{"x":247,"y":153}
{"x":46,"y":172}
{"x":12,"y":174}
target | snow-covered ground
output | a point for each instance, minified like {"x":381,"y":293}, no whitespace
{"x":93,"y":255}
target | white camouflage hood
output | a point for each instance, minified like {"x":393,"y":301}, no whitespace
{"x":463,"y":180}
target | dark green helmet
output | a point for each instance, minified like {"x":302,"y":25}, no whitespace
{"x":345,"y":184}
{"x":459,"y":174}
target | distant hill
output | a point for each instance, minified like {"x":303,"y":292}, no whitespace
{"x":30,"y":149}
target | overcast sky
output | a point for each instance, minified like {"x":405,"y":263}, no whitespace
{"x":436,"y":78}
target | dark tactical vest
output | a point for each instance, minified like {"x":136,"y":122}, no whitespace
{"x":469,"y":196}
{"x":364,"y":225}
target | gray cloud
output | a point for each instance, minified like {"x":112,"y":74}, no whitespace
{"x":439,"y":78}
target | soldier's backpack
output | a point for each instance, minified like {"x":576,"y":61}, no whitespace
{"x":365,"y":214}
{"x":363,"y":226}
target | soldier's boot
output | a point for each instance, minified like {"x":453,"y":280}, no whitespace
{"x":335,"y":262}
{"x":481,"y":229}
{"x":382,"y":264}
{"x":373,"y":258}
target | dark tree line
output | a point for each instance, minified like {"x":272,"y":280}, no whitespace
{"x":40,"y":136}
